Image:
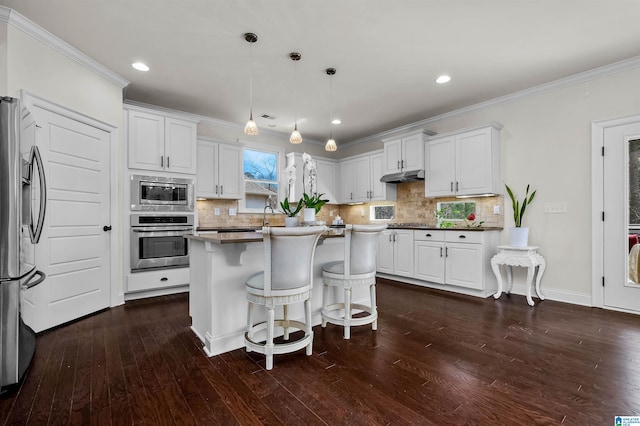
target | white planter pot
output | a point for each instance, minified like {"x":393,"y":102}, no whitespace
{"x":519,"y":237}
{"x":309,"y":216}
{"x":290,"y":221}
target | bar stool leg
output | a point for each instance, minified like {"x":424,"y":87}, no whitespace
{"x":268,"y":347}
{"x":325,"y":295}
{"x":309,"y":330}
{"x":374,"y":308}
{"x":249,"y":322}
{"x":347,"y":313}
{"x":285,"y":323}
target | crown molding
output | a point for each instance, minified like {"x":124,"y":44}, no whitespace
{"x":12,"y":17}
{"x":582,"y":77}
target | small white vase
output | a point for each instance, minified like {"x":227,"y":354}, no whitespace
{"x":290,"y":221}
{"x":519,"y":237}
{"x":309,"y":217}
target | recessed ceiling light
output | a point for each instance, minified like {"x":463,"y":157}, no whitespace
{"x":140,"y":66}
{"x":336,"y":121}
{"x":443,"y":79}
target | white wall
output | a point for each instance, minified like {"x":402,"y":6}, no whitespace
{"x":546,"y":142}
{"x":47,"y":73}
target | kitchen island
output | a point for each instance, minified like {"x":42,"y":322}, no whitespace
{"x":220,"y":265}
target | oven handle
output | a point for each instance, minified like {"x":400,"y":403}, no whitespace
{"x":162,"y":229}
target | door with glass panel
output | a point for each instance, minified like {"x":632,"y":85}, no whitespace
{"x":621,"y":196}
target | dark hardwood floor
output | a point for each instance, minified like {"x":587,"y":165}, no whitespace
{"x":437,"y":358}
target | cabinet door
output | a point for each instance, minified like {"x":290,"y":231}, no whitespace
{"x":326,"y":180}
{"x":403,"y":255}
{"x":440,"y":168}
{"x":385,"y":252}
{"x":413,"y":152}
{"x":464,"y":265}
{"x":362,"y":179}
{"x":180,"y":146}
{"x":473,"y":162}
{"x":429,"y":261}
{"x":207,"y":173}
{"x":392,"y":156}
{"x":347,"y":173}
{"x":229,"y":171}
{"x":378,"y":189}
{"x":146,"y":141}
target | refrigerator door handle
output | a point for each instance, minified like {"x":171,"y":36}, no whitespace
{"x":31,"y":283}
{"x":35,"y":157}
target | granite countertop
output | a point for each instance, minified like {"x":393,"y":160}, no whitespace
{"x":433,"y":228}
{"x":248,"y":237}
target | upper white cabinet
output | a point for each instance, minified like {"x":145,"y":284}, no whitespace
{"x":326,"y":178}
{"x":404,"y":153}
{"x":360,"y":179}
{"x":464,"y":163}
{"x":219,"y":170}
{"x":160,"y":143}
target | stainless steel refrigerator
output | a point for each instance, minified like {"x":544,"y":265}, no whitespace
{"x":23,"y":202}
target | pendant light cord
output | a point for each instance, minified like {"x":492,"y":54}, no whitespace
{"x":251,"y":81}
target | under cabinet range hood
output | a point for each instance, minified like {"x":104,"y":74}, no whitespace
{"x":408,"y":176}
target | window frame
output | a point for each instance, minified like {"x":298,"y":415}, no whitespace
{"x":265,"y":147}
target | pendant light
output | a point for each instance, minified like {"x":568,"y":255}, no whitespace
{"x":251,"y":128}
{"x":331,"y":144}
{"x":296,"y":137}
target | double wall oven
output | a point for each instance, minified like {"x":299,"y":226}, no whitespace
{"x":163,"y":218}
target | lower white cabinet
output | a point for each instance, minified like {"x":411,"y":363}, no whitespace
{"x":159,"y":279}
{"x":395,"y":252}
{"x":454,"y":257}
{"x":456,"y":260}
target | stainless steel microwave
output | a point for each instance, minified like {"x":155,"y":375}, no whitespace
{"x":161,"y":194}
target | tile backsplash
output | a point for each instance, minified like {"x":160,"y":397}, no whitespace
{"x":411,"y":207}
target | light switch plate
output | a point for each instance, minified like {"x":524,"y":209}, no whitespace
{"x":496,"y":209}
{"x":555,"y":208}
{"x":216,"y":211}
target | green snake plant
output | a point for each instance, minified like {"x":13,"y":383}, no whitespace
{"x":520,"y":208}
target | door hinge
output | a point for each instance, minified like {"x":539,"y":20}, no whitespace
{"x":603,"y":151}
{"x":603,"y":216}
{"x":602,"y":281}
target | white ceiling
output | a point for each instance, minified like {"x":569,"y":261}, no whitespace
{"x":387,"y":53}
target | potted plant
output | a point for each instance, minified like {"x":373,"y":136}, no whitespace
{"x":291,"y":212}
{"x":312,"y":205}
{"x":519,"y":235}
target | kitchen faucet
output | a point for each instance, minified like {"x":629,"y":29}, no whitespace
{"x":265,"y":222}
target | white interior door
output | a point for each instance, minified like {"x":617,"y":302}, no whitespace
{"x":74,"y":250}
{"x":619,"y":291}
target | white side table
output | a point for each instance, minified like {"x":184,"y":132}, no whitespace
{"x":527,"y":257}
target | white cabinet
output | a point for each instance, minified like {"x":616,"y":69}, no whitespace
{"x":404,"y":153}
{"x":464,"y":163}
{"x":219,"y":170}
{"x":360,"y":180}
{"x":160,"y":143}
{"x":457,"y":258}
{"x":326,"y":178}
{"x":395,"y":252}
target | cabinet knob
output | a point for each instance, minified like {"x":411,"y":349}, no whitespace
{"x":106,"y":228}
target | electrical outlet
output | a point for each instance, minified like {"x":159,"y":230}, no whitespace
{"x":496,"y":209}
{"x":232,"y":211}
{"x":216,"y":211}
{"x":331,"y":212}
{"x":362,"y":212}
